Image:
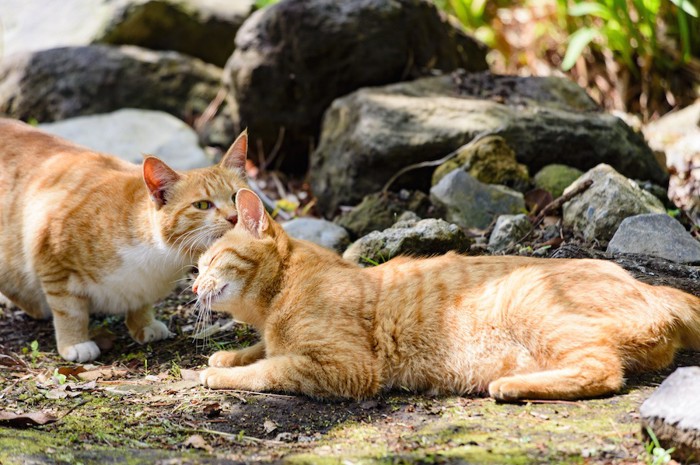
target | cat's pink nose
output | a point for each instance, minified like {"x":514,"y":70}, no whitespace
{"x":233,"y":219}
{"x":194,"y":288}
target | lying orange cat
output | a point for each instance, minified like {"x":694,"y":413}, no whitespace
{"x":82,"y":231}
{"x":521,"y":328}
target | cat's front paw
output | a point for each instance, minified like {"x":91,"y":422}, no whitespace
{"x":214,"y":378}
{"x":155,"y":331}
{"x":83,"y":352}
{"x":226,"y":358}
{"x":506,"y":390}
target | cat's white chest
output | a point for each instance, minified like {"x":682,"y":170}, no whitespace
{"x":145,"y":275}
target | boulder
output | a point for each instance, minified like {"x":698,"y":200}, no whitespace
{"x":373,"y":133}
{"x":472,"y":204}
{"x":318,"y":231}
{"x":489,"y":160}
{"x":201,"y":28}
{"x":658,"y":235}
{"x":294,"y":57}
{"x":61,"y":83}
{"x":508,"y":230}
{"x":555,"y":178}
{"x":597,"y":212}
{"x":673,"y":413}
{"x":379,"y":211}
{"x":130,"y":134}
{"x":409,"y":237}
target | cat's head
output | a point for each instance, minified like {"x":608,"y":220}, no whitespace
{"x":243,"y":270}
{"x":194,"y":208}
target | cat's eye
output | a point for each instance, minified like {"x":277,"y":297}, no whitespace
{"x":202,"y":205}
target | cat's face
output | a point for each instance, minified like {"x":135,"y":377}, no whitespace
{"x":195,"y":208}
{"x":243,"y":269}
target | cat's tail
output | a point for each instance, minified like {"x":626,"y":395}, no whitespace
{"x":685,"y":309}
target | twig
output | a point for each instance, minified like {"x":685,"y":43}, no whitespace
{"x":275,"y":150}
{"x":557,"y":203}
{"x":211,"y":110}
{"x":425,"y":164}
{"x":238,"y":437}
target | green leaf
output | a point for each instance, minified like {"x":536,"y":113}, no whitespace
{"x":686,"y":6}
{"x":589,"y":8}
{"x":577,"y":42}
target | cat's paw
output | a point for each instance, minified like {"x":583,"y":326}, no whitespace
{"x":214,"y":378}
{"x":83,"y":352}
{"x":226,"y":358}
{"x":155,"y":331}
{"x":508,"y":389}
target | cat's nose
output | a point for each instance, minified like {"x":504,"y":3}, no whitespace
{"x":195,"y":286}
{"x":233,"y":219}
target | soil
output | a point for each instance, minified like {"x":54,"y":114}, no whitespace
{"x":143,"y":404}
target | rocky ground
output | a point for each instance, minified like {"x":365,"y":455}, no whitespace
{"x":142,"y":404}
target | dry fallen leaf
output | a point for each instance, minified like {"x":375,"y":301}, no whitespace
{"x":103,"y":373}
{"x":269,"y":426}
{"x":198,"y":442}
{"x":189,"y":375}
{"x":26,"y":419}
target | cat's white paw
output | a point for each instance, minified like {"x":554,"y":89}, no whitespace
{"x":156,"y":331}
{"x":214,"y":378}
{"x":83,"y":352}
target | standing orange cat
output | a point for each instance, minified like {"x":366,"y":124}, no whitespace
{"x":521,"y":328}
{"x":84,"y":232}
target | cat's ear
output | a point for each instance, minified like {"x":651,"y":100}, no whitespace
{"x":237,"y":153}
{"x":159,"y":177}
{"x":251,"y":213}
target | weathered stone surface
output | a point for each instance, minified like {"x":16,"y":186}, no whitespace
{"x":555,"y":178}
{"x":201,"y":28}
{"x":489,"y":160}
{"x":472,"y":204}
{"x":673,"y":413}
{"x":508,"y":230}
{"x":322,"y":232}
{"x":293,"y":58}
{"x":64,"y":82}
{"x":410,"y":237}
{"x":131,"y":133}
{"x":658,"y":235}
{"x":371,"y":134}
{"x":596,"y":213}
{"x":379,"y":211}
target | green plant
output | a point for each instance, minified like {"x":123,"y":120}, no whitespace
{"x":656,"y":455}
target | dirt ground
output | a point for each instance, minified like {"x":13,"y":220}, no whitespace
{"x":142,"y":404}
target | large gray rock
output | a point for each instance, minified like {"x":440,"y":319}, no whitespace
{"x":597,"y":213}
{"x":293,"y":58}
{"x":371,"y":134}
{"x":379,"y":211}
{"x":61,"y":83}
{"x":410,"y":237}
{"x":130,"y":134}
{"x":508,"y":230}
{"x":655,"y":234}
{"x":473,"y":204}
{"x":201,"y":28}
{"x":673,"y":413}
{"x":318,"y":231}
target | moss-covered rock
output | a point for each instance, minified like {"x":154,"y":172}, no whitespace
{"x":555,"y":178}
{"x":491,"y":161}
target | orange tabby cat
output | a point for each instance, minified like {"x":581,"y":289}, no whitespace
{"x":521,"y":328}
{"x":84,"y":232}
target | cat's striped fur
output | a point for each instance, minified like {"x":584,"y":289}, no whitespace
{"x":84,"y":232}
{"x":515,"y":327}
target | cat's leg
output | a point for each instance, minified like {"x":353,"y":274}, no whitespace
{"x":233,"y":358}
{"x":144,"y":327}
{"x":585,"y":377}
{"x":71,"y":319}
{"x":282,"y":373}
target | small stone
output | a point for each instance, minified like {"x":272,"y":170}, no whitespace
{"x":472,"y":204}
{"x":656,"y":234}
{"x":508,"y":230}
{"x":318,"y":231}
{"x":597,"y":213}
{"x":555,"y":178}
{"x":673,"y":413}
{"x":417,"y":238}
